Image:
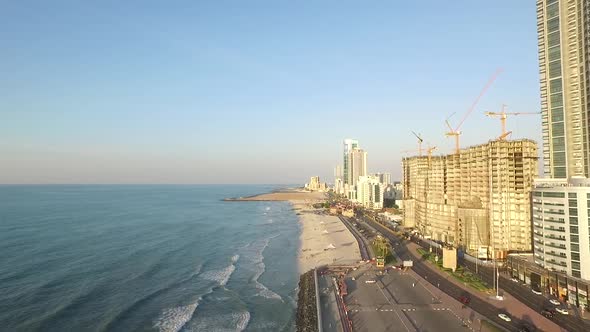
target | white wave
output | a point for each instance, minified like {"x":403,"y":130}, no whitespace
{"x":233,"y":322}
{"x":221,"y":276}
{"x":242,"y":320}
{"x":173,"y":319}
{"x":268,"y":208}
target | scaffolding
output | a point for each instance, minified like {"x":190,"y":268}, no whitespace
{"x":479,"y":197}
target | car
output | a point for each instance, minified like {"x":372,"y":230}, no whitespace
{"x":547,"y":313}
{"x":562,"y":311}
{"x":536,"y":291}
{"x":369,"y":281}
{"x":353,"y":278}
{"x":464,"y":299}
{"x":554,"y":302}
{"x":504,"y":317}
{"x":514,"y":279}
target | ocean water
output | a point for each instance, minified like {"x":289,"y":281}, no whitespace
{"x":146,"y":258}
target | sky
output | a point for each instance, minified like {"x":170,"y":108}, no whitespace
{"x":252,"y":91}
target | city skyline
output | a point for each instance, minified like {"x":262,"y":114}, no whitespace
{"x":162,"y":94}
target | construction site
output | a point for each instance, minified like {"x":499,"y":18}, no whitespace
{"x":476,"y":198}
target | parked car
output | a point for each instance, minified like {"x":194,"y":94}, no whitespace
{"x":504,"y":317}
{"x":536,"y":291}
{"x":369,"y":281}
{"x":562,"y":311}
{"x":547,"y":313}
{"x":514,"y":279}
{"x":554,"y":302}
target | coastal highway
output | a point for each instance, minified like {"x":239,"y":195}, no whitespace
{"x":454,"y":291}
{"x":363,"y":245}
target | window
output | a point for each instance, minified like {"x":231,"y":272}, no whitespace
{"x":557,"y":100}
{"x":573,"y":220}
{"x":573,"y":203}
{"x":559,"y":172}
{"x":575,"y":238}
{"x":576,"y":256}
{"x":553,"y":39}
{"x":557,"y":116}
{"x":557,"y":129}
{"x":572,"y":195}
{"x":573,"y":229}
{"x":554,"y":53}
{"x":554,"y":194}
{"x":576,"y":265}
{"x":554,"y":69}
{"x":555,"y":85}
{"x":552,"y":10}
{"x":559,"y":158}
{"x":573,"y":211}
{"x":576,"y":274}
{"x":553,"y":25}
{"x":575,"y":247}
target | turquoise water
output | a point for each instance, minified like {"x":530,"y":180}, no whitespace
{"x":135,"y":258}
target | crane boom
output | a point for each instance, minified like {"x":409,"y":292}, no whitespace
{"x":483,"y":91}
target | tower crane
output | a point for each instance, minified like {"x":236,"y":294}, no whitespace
{"x":503,"y":116}
{"x":420,"y":140}
{"x":455,"y":132}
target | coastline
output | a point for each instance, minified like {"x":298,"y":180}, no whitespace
{"x":324,"y":239}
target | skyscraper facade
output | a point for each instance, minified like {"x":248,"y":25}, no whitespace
{"x":357,"y":165}
{"x":349,"y":145}
{"x":560,"y":203}
{"x":564,"y":61}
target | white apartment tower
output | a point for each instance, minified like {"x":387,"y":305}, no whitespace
{"x":349,"y":145}
{"x":357,"y":165}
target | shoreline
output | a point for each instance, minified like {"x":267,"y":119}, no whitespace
{"x":323,"y":240}
{"x":280,"y":195}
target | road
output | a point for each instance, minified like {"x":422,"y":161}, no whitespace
{"x":532,"y":300}
{"x":483,"y":307}
{"x":363,"y":245}
{"x":401,"y":301}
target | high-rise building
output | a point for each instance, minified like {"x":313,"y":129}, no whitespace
{"x":357,"y":165}
{"x":477,"y":199}
{"x":560,"y":225}
{"x":384,"y":178}
{"x":564,"y":61}
{"x":370,"y":192}
{"x":560,"y":202}
{"x":349,"y":145}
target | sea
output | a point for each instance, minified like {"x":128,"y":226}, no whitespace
{"x":146,"y":258}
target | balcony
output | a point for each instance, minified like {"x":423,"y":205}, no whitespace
{"x":555,"y":254}
{"x":556,"y":246}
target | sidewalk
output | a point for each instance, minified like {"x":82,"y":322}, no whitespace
{"x":508,"y":304}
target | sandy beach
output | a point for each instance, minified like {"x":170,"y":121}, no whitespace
{"x":291,"y":195}
{"x":324,"y":239}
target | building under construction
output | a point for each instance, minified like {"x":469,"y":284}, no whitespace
{"x":477,"y":199}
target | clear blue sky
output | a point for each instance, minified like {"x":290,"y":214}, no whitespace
{"x":250,"y":91}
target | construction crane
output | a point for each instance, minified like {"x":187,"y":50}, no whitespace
{"x":420,"y":140}
{"x":503,"y":116}
{"x":429,"y":151}
{"x":455,"y":132}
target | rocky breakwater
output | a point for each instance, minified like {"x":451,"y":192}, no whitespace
{"x":307,"y":318}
